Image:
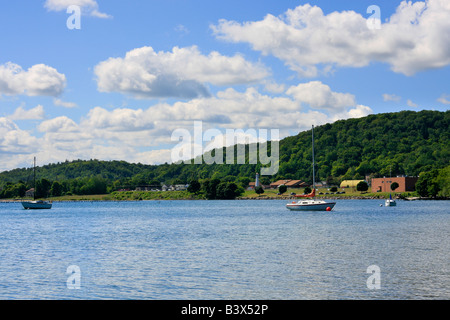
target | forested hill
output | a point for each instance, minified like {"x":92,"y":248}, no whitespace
{"x":407,"y":143}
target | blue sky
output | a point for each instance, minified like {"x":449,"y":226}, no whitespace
{"x":117,"y":88}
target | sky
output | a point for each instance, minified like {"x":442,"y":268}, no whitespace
{"x":116,"y":79}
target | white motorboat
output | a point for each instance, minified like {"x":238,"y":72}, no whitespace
{"x":311,"y":204}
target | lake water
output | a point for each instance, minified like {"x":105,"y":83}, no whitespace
{"x":225,"y":250}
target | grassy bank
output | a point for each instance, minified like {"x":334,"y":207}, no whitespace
{"x":248,"y":194}
{"x":349,"y":194}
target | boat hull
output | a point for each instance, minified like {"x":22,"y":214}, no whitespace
{"x":390,"y":203}
{"x":36,"y":205}
{"x":311,"y":206}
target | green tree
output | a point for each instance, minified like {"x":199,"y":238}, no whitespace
{"x":265,"y":181}
{"x":244,"y":182}
{"x":209,"y":188}
{"x":259,"y":190}
{"x":362,"y":186}
{"x":56,"y":189}
{"x":428,"y":185}
{"x":226,"y":190}
{"x":194,"y":187}
{"x":42,"y":188}
{"x":282,"y":189}
{"x":307,"y":190}
{"x":443,"y":179}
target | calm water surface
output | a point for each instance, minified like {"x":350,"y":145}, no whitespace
{"x":225,"y":250}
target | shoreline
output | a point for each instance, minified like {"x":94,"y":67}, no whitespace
{"x":238,"y":199}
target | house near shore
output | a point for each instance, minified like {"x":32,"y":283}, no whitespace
{"x":176,"y":187}
{"x":29,"y":193}
{"x":296,"y":184}
{"x":276,"y":184}
{"x":289,"y":183}
{"x":384,"y":184}
{"x":154,"y":187}
{"x":252,"y":186}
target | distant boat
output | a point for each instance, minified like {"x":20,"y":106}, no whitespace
{"x":39,"y":204}
{"x":311,"y":204}
{"x":390,"y":202}
{"x":36,"y":205}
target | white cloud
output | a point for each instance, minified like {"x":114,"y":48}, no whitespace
{"x":89,"y":7}
{"x":60,"y":103}
{"x":59,"y":124}
{"x":144,"y":135}
{"x":119,"y":119}
{"x":13,"y":140}
{"x":181,"y":73}
{"x":37,"y":113}
{"x":444,"y":99}
{"x":273,"y":87}
{"x":38,"y":80}
{"x":319,"y":96}
{"x":411,"y":104}
{"x":391,"y":97}
{"x":413,"y":38}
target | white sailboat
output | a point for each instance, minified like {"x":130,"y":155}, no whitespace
{"x":311,"y":204}
{"x":390,"y":202}
{"x":39,"y":204}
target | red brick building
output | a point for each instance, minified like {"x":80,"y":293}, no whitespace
{"x":384,"y":184}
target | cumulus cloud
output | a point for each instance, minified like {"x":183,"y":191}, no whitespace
{"x":121,"y":119}
{"x":89,"y":7}
{"x":413,"y":39}
{"x":320,"y":96}
{"x":391,"y":97}
{"x":181,"y":73}
{"x":38,"y":80}
{"x":36,"y":113}
{"x":13,"y":140}
{"x":411,"y":104}
{"x":65,"y":104}
{"x":59,"y":124}
{"x":144,"y":134}
{"x":444,"y":99}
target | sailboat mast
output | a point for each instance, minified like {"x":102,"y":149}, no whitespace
{"x":34,"y":179}
{"x":314,"y":172}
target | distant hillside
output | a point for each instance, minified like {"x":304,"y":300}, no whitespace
{"x":407,"y":143}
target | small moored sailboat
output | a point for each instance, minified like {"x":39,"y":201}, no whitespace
{"x":39,"y":204}
{"x":311,"y":204}
{"x":390,"y":202}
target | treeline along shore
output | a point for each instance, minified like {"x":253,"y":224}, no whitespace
{"x":406,"y":143}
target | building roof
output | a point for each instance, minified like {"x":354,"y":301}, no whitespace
{"x":349,"y":183}
{"x":280,"y":182}
{"x":293,"y":183}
